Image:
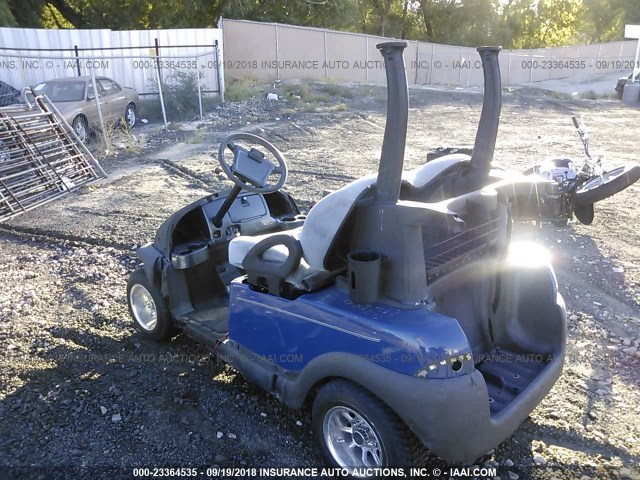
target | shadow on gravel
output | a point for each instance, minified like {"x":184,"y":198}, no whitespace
{"x":571,"y":440}
{"x":100,"y":402}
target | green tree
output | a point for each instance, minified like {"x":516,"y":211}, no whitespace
{"x":116,"y":14}
{"x":459,"y":22}
{"x":336,"y":14}
{"x":511,"y":23}
{"x":390,"y":18}
{"x":557,"y":23}
{"x":515,"y":19}
{"x":27,"y":13}
{"x":6,"y":17}
{"x":605,"y":19}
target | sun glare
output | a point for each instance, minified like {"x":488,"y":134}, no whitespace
{"x":528,"y":254}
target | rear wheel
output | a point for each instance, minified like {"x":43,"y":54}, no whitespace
{"x":355,"y":429}
{"x":148,"y":309}
{"x":608,"y":184}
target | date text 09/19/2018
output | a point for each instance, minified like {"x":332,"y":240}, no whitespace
{"x":314,"y":472}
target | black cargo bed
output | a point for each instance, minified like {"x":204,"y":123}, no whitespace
{"x":507,"y":374}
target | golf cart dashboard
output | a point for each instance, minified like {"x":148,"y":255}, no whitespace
{"x":250,"y":214}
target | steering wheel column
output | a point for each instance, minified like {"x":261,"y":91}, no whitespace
{"x":250,"y":169}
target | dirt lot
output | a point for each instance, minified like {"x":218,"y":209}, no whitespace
{"x":79,"y":385}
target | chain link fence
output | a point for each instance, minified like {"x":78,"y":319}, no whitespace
{"x":173,"y":83}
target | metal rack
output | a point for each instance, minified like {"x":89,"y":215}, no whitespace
{"x":41,"y":158}
{"x":457,"y":249}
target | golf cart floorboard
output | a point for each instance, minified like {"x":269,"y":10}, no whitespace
{"x":210,"y":317}
{"x":507,"y":374}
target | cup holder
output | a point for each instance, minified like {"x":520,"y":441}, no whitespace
{"x":189,"y":254}
{"x":293,"y":218}
{"x":288,"y":222}
{"x":364,"y":276}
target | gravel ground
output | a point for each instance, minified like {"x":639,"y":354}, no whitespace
{"x":80,"y":387}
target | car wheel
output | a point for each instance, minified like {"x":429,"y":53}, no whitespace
{"x":148,"y":309}
{"x":355,"y":429}
{"x":81,"y":127}
{"x":130,"y":115}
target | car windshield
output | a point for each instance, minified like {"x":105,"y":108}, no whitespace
{"x":62,"y":91}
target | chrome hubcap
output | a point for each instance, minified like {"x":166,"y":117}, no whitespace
{"x":131,"y":117}
{"x":81,"y":131}
{"x":602,"y":179}
{"x":143,"y":307}
{"x":351,"y":440}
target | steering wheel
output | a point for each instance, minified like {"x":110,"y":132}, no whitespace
{"x":255,"y":180}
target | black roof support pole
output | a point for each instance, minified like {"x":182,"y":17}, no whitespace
{"x":490,"y":118}
{"x":395,"y":132}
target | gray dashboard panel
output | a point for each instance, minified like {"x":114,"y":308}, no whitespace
{"x":249,"y":214}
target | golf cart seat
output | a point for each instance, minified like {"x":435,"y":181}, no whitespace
{"x":421,"y":176}
{"x":313,"y":239}
{"x":267,"y":258}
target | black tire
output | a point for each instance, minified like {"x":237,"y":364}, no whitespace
{"x":130,"y":115}
{"x":81,"y":127}
{"x":398,"y":445}
{"x":584,"y":213}
{"x":608,"y":184}
{"x":163,"y":328}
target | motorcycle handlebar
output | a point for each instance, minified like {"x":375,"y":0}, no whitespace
{"x":575,"y":121}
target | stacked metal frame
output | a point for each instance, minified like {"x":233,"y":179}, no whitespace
{"x":41,"y":158}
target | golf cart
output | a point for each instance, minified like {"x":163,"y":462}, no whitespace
{"x":397,"y":307}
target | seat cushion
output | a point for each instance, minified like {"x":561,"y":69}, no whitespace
{"x":422,"y":175}
{"x":240,"y":246}
{"x":327,"y":216}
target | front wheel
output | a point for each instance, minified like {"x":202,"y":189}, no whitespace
{"x":584,"y":213}
{"x":130,"y":115}
{"x":608,"y":184}
{"x":148,"y":309}
{"x":355,"y":429}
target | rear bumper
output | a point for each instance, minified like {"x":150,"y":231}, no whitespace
{"x":450,"y":416}
{"x":453,"y":416}
{"x":452,"y":419}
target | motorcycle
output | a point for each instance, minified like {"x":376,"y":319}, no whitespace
{"x":564,"y":187}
